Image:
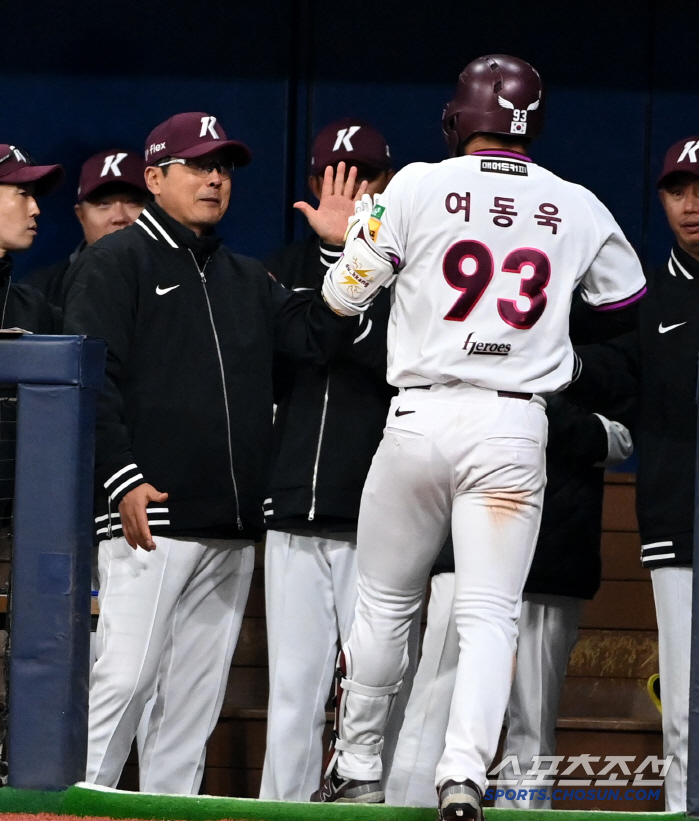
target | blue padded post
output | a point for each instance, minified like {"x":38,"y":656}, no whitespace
{"x":58,"y":380}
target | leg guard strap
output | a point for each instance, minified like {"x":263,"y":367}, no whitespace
{"x":365,"y":690}
{"x":360,"y":749}
{"x":379,"y":702}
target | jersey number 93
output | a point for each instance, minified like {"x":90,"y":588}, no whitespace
{"x":473,"y":286}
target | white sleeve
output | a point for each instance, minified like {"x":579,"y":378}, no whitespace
{"x":614,"y":278}
{"x":390,"y":231}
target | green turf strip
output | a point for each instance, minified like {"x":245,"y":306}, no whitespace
{"x":32,"y":801}
{"x":87,"y":801}
{"x":84,"y":801}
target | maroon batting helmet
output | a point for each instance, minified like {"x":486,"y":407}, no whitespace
{"x":495,"y":94}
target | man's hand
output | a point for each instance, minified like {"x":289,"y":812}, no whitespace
{"x":134,"y":519}
{"x":337,"y":198}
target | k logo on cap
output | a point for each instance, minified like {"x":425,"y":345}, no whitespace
{"x":193,"y":134}
{"x":109,"y":167}
{"x":351,"y":140}
{"x":689,"y":151}
{"x":344,"y":136}
{"x":682,"y":157}
{"x":111,"y":164}
{"x":207,"y":125}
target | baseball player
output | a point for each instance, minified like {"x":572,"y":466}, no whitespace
{"x":662,"y":359}
{"x":111,"y":194}
{"x":320,"y":462}
{"x":485,"y":249}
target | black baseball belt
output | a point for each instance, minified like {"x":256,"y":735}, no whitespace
{"x":507,"y":394}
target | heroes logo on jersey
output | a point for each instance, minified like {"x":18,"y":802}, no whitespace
{"x":473,"y":346}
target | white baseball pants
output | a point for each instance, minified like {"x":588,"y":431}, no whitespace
{"x":421,"y":740}
{"x":171,"y":618}
{"x":548,"y":627}
{"x":672,"y":590}
{"x":548,"y":630}
{"x":310,"y":594}
{"x":474,"y":460}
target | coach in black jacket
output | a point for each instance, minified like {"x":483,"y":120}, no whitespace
{"x":184,"y":431}
{"x":328,"y":424}
{"x":659,"y":365}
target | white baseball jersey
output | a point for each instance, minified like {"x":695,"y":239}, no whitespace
{"x":490,"y":248}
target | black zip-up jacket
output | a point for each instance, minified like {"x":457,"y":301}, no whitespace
{"x":567,"y":558}
{"x":22,"y":306}
{"x":50,"y":280}
{"x":330,"y":417}
{"x":187,"y":405}
{"x":658,"y":364}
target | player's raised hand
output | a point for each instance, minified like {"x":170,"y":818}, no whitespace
{"x":337,"y":198}
{"x":134,"y":519}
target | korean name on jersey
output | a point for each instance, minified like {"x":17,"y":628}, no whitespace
{"x":490,"y":249}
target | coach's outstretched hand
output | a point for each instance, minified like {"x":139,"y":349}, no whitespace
{"x":134,"y":519}
{"x":337,"y":198}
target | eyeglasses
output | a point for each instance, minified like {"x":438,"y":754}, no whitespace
{"x":202,"y":165}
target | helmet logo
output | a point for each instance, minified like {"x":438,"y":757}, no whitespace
{"x":519,"y":115}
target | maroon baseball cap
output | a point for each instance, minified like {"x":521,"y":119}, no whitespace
{"x":18,"y":168}
{"x":351,"y":140}
{"x":681,"y":157}
{"x":190,"y":135}
{"x":109,"y":167}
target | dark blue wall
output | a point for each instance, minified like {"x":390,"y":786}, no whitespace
{"x":77,"y":77}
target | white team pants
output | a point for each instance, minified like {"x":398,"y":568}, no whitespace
{"x":548,"y":630}
{"x":421,"y":740}
{"x":672,"y":590}
{"x":169,"y":617}
{"x":548,"y":627}
{"x":310,"y":594}
{"x":470,"y":459}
